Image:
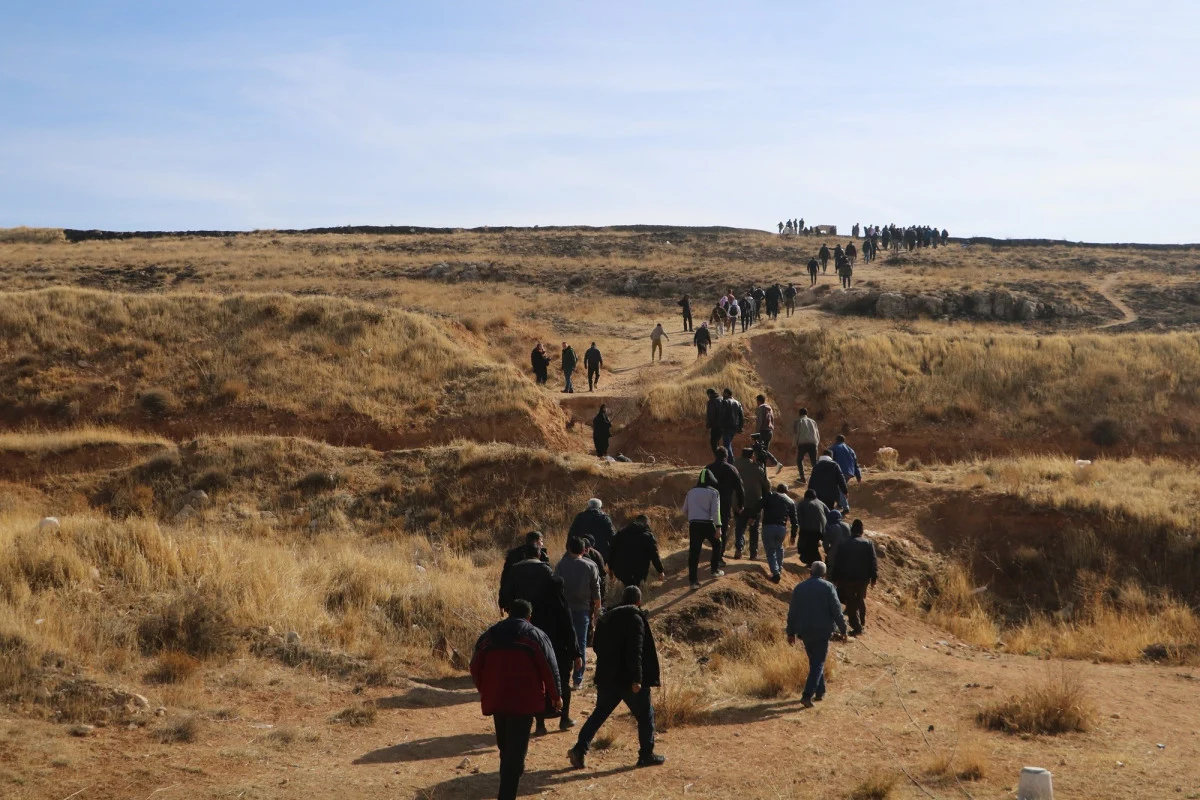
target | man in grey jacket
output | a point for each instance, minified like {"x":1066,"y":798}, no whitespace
{"x":807,"y":439}
{"x":815,"y":612}
{"x":702,"y":507}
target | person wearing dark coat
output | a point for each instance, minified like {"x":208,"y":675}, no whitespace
{"x":823,"y":254}
{"x":777,"y":511}
{"x":634,"y":549}
{"x":593,"y":523}
{"x":712,"y":420}
{"x":813,"y":266}
{"x":685,"y":306}
{"x":811,"y":513}
{"x":727,"y":481}
{"x":534,"y":547}
{"x":773,"y":296}
{"x":569,"y":362}
{"x":626,"y":670}
{"x":702,"y":339}
{"x":540,"y":361}
{"x":828,"y":481}
{"x":535,"y":581}
{"x":593,"y":360}
{"x":601,"y":430}
{"x":856,"y":568}
{"x":515,"y":671}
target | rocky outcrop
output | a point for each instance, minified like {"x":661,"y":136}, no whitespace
{"x":983,"y":304}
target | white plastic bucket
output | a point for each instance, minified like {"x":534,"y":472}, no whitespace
{"x":1035,"y":784}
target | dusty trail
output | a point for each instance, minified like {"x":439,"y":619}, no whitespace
{"x":1128,"y":315}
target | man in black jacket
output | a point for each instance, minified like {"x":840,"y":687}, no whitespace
{"x":777,"y":511}
{"x":634,"y":549}
{"x":724,"y":477}
{"x":828,"y":481}
{"x":593,"y":523}
{"x":626,"y":669}
{"x":733,"y":419}
{"x":712,"y":420}
{"x":534,"y":547}
{"x":685,"y":305}
{"x":811,"y":513}
{"x":535,"y":581}
{"x":855,"y":568}
{"x":593,"y":361}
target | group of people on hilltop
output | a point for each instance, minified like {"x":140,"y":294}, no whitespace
{"x":792,"y":227}
{"x":527,"y":666}
{"x":893,"y":236}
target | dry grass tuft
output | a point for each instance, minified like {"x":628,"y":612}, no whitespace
{"x":173,"y":667}
{"x":679,"y":705}
{"x":194,"y":623}
{"x":957,"y":607}
{"x":771,"y":671}
{"x":358,"y":716}
{"x":1057,"y":704}
{"x":185,"y":730}
{"x":877,"y":786}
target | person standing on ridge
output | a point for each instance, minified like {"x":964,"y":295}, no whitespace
{"x":541,"y":364}
{"x":702,"y":507}
{"x":807,"y":439}
{"x":593,"y":361}
{"x":569,"y":362}
{"x":601,"y":430}
{"x":626,"y":670}
{"x":516,"y":673}
{"x":685,"y":305}
{"x":813,"y":614}
{"x":656,"y":337}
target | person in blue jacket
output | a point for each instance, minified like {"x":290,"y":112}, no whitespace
{"x":846,"y":458}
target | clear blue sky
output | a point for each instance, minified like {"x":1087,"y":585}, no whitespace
{"x":1063,"y":119}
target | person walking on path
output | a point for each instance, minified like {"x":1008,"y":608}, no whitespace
{"x":581,"y":586}
{"x":601,"y":430}
{"x":732,"y":491}
{"x":718,"y":317}
{"x":534,"y":547}
{"x":541,"y":364}
{"x":773,"y":296}
{"x":823,"y":254}
{"x":593,"y":361}
{"x":837,"y":532}
{"x":813,"y":615}
{"x":856,"y":568}
{"x":807,"y":439}
{"x":685,"y":305}
{"x":712,"y":420}
{"x":733,"y":418}
{"x":756,"y":486}
{"x":789,"y":298}
{"x":515,"y":671}
{"x":813,"y":266}
{"x":732,"y":312}
{"x":812,"y":515}
{"x":569,"y":362}
{"x":656,"y":337}
{"x":702,"y":339}
{"x":827,"y":480}
{"x":764,"y":422}
{"x":634,"y":550}
{"x":778,"y":510}
{"x":846,"y":272}
{"x":847,"y":460}
{"x":535,"y":582}
{"x":702,"y":507}
{"x":595,"y":524}
{"x":626,"y":670}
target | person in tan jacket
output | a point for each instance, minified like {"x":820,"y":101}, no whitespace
{"x":807,"y":439}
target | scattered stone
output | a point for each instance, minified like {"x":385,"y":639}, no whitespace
{"x":464,"y":764}
{"x":293,"y":637}
{"x":161,"y":711}
{"x":197,"y":498}
{"x":140,"y":701}
{"x":82,"y":730}
{"x":48,"y":525}
{"x":185,"y":513}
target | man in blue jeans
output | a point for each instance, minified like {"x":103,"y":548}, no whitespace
{"x":815,"y":612}
{"x":581,"y":585}
{"x":626,"y":669}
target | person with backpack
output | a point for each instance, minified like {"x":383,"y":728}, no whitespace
{"x":593,"y":361}
{"x":626,"y":670}
{"x":569,"y":362}
{"x":702,"y":339}
{"x":718,"y":317}
{"x":601,"y":430}
{"x":516,"y":673}
{"x":733,"y":312}
{"x":789,"y":298}
{"x":685,"y":305}
{"x":733,"y":419}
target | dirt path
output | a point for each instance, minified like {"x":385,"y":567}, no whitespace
{"x":1128,"y":315}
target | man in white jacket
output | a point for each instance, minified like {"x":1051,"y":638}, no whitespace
{"x":807,"y":439}
{"x":702,"y":507}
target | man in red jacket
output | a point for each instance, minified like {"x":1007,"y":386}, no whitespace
{"x":516,"y":673}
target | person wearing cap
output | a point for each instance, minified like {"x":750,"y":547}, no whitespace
{"x":593,"y":523}
{"x":702,"y":508}
{"x":814,"y":613}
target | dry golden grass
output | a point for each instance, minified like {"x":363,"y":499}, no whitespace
{"x":956,"y":607}
{"x":877,"y":786}
{"x":678,"y":705}
{"x":1058,"y":703}
{"x":320,"y":361}
{"x":25,"y":235}
{"x":769,"y":671}
{"x":966,"y":762}
{"x":1109,"y":389}
{"x":727,"y":367}
{"x":74,"y":438}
